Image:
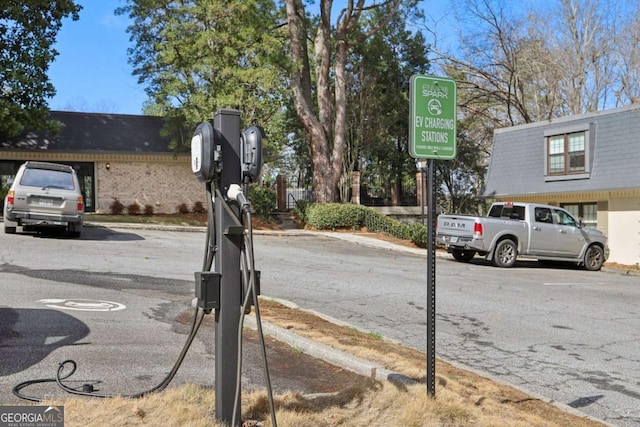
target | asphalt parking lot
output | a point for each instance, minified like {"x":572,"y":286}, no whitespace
{"x":529,"y":326}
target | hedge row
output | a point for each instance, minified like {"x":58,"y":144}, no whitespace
{"x":331,"y":216}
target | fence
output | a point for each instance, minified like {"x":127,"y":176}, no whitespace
{"x":376,"y":192}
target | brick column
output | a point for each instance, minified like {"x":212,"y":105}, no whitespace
{"x":281,"y":193}
{"x":355,"y":187}
{"x":419,"y":189}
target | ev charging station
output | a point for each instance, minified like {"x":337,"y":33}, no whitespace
{"x":226,"y":159}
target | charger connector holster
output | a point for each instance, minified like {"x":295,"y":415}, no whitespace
{"x":208,"y":290}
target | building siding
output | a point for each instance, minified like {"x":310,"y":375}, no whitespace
{"x":517,"y":172}
{"x":518,"y":156}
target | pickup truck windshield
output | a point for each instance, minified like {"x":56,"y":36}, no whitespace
{"x":507,"y":212}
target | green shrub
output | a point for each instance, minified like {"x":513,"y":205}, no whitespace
{"x":133,"y":209}
{"x":4,"y":189}
{"x":263,"y":200}
{"x":330,"y":216}
{"x":418,"y":233}
{"x":300,"y":210}
{"x":198,"y":207}
{"x":379,"y":223}
{"x":116,"y":207}
{"x":182,"y":208}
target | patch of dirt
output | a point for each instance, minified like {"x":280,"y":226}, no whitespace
{"x":628,"y":268}
{"x":201,"y":219}
{"x":289,"y":368}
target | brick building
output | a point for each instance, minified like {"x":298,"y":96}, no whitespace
{"x":117,"y":156}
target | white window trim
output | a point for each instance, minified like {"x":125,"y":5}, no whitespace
{"x":580,"y":127}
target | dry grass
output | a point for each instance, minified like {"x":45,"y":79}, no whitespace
{"x":462,"y":398}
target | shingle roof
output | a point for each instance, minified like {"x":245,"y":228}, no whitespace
{"x":517,"y":161}
{"x":97,"y":132}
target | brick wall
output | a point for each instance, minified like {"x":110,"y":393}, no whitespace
{"x":163,"y":185}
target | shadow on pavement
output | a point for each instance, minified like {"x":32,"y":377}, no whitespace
{"x":526,"y":263}
{"x":27,"y":336}
{"x":96,"y":233}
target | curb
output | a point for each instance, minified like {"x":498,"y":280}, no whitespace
{"x":326,"y":353}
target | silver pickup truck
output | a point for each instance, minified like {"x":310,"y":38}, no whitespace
{"x":546,"y":233}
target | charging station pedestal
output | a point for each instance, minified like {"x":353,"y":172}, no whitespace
{"x":227,"y":264}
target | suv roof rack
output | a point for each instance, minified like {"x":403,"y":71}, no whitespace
{"x":49,"y":166}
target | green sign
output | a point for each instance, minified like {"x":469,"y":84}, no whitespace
{"x":432,"y":127}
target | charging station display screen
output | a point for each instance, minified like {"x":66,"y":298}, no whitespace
{"x":196,"y":153}
{"x":202,"y":152}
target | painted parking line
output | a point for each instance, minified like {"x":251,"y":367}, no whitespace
{"x":82,"y":304}
{"x":570,"y":283}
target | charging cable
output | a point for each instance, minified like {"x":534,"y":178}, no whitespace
{"x":198,"y":317}
{"x":249,"y":284}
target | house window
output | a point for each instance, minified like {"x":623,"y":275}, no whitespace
{"x":585,"y":212}
{"x":566,"y":153}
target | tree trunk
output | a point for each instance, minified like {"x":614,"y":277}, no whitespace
{"x":324,"y":121}
{"x":318,"y":127}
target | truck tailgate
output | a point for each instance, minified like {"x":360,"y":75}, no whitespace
{"x":455,"y":226}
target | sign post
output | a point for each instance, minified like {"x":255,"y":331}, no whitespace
{"x":432,"y":135}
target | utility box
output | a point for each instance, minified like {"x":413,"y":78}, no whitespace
{"x":208,"y":290}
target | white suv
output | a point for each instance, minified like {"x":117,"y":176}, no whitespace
{"x":44,"y":194}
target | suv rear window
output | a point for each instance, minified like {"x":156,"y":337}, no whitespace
{"x":45,"y":178}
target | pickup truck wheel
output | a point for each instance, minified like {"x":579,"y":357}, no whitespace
{"x":594,"y":258}
{"x":9,"y":230}
{"x":463,"y":255}
{"x":505,"y":254}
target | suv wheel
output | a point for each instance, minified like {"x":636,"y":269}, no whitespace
{"x":9,"y":230}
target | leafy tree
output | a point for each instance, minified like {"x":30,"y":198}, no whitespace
{"x":378,"y":114}
{"x":28,"y":30}
{"x":463,"y":177}
{"x":318,"y":76}
{"x":197,"y":57}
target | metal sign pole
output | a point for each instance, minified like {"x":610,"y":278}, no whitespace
{"x":431,"y":281}
{"x":227,"y":263}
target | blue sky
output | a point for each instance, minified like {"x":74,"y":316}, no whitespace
{"x":92,"y":73}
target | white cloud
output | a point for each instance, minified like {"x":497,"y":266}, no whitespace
{"x":115,"y":22}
